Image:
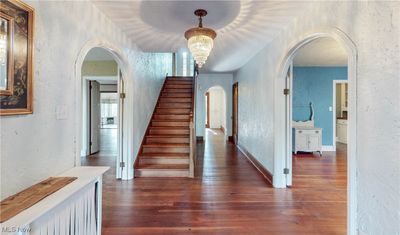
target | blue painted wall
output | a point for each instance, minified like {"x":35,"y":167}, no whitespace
{"x":315,"y":84}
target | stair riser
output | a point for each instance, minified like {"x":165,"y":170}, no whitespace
{"x":163,"y":173}
{"x":189,"y":79}
{"x":168,"y":90}
{"x":175,"y":95}
{"x":169,"y":140}
{"x":178,"y":86}
{"x":170,"y":124}
{"x":171,"y":81}
{"x":174,"y":105}
{"x":166,"y":149}
{"x":170,"y":117}
{"x":175,"y":100}
{"x":164,"y":160}
{"x":172,"y":111}
{"x":167,"y":132}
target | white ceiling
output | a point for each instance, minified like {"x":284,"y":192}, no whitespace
{"x":99,"y":54}
{"x":321,"y":52}
{"x":243,"y":27}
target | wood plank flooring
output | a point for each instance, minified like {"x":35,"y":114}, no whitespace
{"x":228,"y":196}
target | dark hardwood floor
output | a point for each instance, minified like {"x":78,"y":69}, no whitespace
{"x":228,"y":196}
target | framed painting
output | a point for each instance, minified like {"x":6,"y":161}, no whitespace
{"x":6,"y":54}
{"x":16,"y":57}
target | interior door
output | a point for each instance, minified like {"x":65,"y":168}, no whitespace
{"x":313,"y":142}
{"x":95,"y":117}
{"x":302,"y":142}
{"x":235,"y":108}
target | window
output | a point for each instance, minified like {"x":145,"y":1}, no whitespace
{"x":184,"y":64}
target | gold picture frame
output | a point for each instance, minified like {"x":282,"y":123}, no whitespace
{"x":19,"y":98}
{"x":7,"y":37}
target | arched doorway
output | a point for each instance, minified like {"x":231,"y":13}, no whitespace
{"x":101,"y":49}
{"x":283,"y":118}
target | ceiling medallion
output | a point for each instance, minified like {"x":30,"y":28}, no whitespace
{"x":200,"y":40}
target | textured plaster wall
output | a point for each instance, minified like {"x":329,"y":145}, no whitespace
{"x":34,"y":147}
{"x":374,"y":28}
{"x":205,"y":82}
{"x":100,"y":68}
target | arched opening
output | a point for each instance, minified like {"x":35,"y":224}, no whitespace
{"x":285,"y":141}
{"x":100,"y":108}
{"x":215,"y":112}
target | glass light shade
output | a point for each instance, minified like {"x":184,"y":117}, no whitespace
{"x":200,"y":46}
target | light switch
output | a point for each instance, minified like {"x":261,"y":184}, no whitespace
{"x":61,"y":112}
{"x":330,"y":109}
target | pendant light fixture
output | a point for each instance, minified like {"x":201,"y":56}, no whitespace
{"x":200,"y":40}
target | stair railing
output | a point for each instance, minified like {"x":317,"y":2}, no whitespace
{"x":192,"y":126}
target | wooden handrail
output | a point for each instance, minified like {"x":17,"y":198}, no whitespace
{"x":192,"y":121}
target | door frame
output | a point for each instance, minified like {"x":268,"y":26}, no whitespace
{"x":123,"y":66}
{"x":235,"y":113}
{"x":288,"y":125}
{"x":280,"y":148}
{"x":207,"y":96}
{"x":335,"y":82}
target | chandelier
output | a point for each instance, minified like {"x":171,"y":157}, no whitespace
{"x":200,"y":40}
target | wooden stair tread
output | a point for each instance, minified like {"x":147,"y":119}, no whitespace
{"x":169,"y":127}
{"x":164,"y":166}
{"x":167,"y":136}
{"x":165,"y":145}
{"x":164,"y":155}
{"x":166,"y":120}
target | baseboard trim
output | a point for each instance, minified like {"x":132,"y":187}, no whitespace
{"x":260,"y":168}
{"x":328,"y":148}
{"x":199,"y":139}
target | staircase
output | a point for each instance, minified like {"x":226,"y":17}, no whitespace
{"x":165,"y":150}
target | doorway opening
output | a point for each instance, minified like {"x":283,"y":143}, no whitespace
{"x":285,"y":140}
{"x":311,"y":105}
{"x":235,"y":110}
{"x":215,"y":115}
{"x":340,"y":114}
{"x":102,"y":110}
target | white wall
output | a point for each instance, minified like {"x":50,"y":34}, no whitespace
{"x":205,"y":82}
{"x":374,"y":28}
{"x":34,"y":147}
{"x":179,"y":63}
{"x":217,"y":107}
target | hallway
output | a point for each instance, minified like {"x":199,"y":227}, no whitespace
{"x":228,"y":196}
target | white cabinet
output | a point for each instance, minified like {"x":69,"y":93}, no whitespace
{"x":307,"y":139}
{"x":341,"y":130}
